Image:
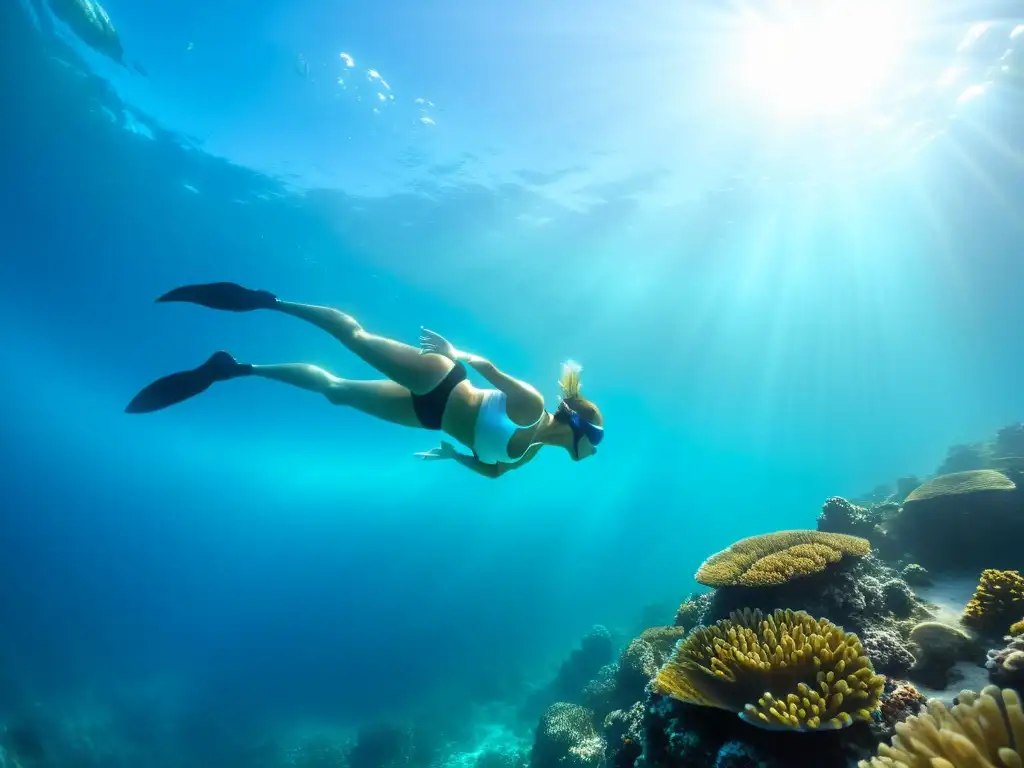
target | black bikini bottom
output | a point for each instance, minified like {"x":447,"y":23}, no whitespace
{"x":430,"y":407}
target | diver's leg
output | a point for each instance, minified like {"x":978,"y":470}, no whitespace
{"x":401,"y":363}
{"x":384,"y":400}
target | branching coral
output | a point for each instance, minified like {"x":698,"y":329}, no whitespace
{"x":566,"y":737}
{"x":1017,"y":628}
{"x":784,"y":671}
{"x":777,"y":558}
{"x":997,"y":602}
{"x":982,"y":731}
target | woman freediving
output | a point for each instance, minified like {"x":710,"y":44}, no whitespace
{"x":425,"y":388}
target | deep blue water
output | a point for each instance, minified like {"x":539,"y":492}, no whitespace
{"x":762,"y":329}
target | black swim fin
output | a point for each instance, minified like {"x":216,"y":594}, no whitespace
{"x":227,"y":296}
{"x":180,"y":386}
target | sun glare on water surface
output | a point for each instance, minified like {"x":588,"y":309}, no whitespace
{"x":830,"y":59}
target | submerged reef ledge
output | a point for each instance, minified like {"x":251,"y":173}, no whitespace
{"x":836,"y":647}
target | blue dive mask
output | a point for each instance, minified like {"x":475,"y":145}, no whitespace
{"x":581,"y":427}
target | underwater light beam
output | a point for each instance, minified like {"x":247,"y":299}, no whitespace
{"x":831,"y":61}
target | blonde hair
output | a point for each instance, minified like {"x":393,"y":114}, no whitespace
{"x":569,"y":382}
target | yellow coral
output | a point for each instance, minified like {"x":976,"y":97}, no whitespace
{"x":982,"y":731}
{"x":782,"y":671}
{"x":997,"y":601}
{"x":1017,"y":628}
{"x":957,"y":483}
{"x":777,"y":558}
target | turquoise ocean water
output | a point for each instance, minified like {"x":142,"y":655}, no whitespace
{"x":789,"y":270}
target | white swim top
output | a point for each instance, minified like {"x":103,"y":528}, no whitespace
{"x":494,"y":429}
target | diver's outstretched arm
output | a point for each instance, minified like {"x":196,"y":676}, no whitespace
{"x":447,"y":451}
{"x":525,"y":404}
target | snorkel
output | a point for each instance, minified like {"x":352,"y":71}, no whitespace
{"x":569,"y":383}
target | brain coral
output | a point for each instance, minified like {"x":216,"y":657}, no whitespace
{"x":985,"y":731}
{"x":997,"y":602}
{"x":777,"y":558}
{"x":782,"y":671}
{"x":959,"y":483}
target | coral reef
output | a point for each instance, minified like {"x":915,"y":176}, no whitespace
{"x":1006,"y":665}
{"x":937,"y":647}
{"x":854,"y":594}
{"x":638,"y":665}
{"x":887,"y":651}
{"x":751,"y":653}
{"x":566,"y":737}
{"x":654,"y":614}
{"x":677,"y":734}
{"x":575,"y":673}
{"x":1010,"y":441}
{"x":502,"y":758}
{"x":623,"y":731}
{"x":601,"y":695}
{"x":898,"y":598}
{"x":663,"y":639}
{"x":916,"y":575}
{"x":784,"y":671}
{"x":997,"y":602}
{"x":981,"y":730}
{"x":966,"y":483}
{"x":900,"y":700}
{"x":904,"y":487}
{"x":964,"y":458}
{"x":619,"y":686}
{"x":841,"y":516}
{"x":692,"y":611}
{"x":777,"y":558}
{"x":960,"y":521}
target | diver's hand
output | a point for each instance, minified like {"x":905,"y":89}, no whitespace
{"x":445,"y":451}
{"x":437,"y":344}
